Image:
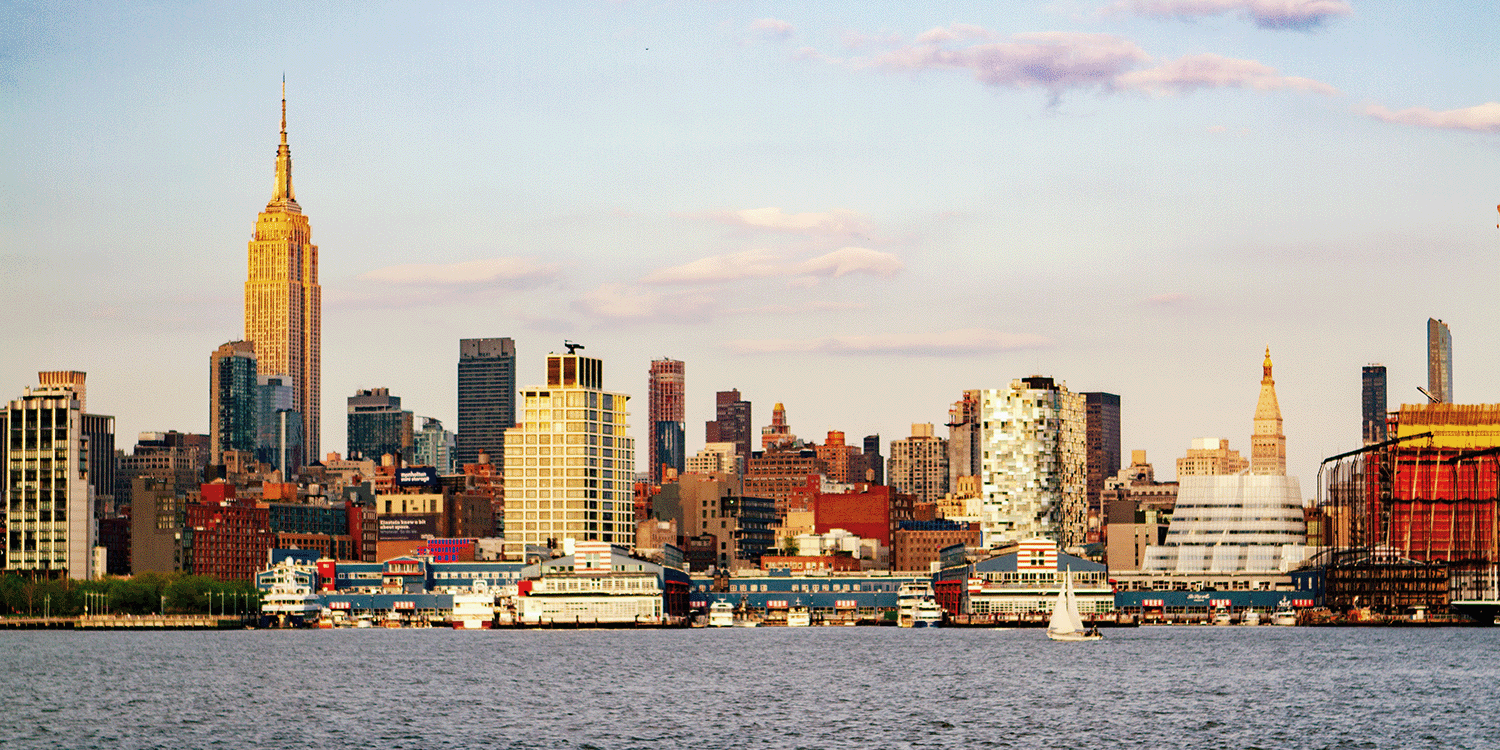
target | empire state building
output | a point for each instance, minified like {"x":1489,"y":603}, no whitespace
{"x":283,"y":302}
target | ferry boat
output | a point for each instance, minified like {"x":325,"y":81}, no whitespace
{"x":909,"y":599}
{"x":799,"y":616}
{"x":928,"y":615}
{"x":1285,"y":614}
{"x":475,"y":609}
{"x":291,"y":602}
{"x":721,"y":614}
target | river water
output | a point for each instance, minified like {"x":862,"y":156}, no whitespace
{"x":1152,"y":687}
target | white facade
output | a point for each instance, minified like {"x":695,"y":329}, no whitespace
{"x":1242,"y":523}
{"x":569,"y":466}
{"x":48,"y":506}
{"x":1032,"y":466}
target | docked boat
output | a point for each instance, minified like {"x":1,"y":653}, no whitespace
{"x":1250,"y":617}
{"x":799,"y":616}
{"x":291,"y":602}
{"x":909,"y":599}
{"x":929,"y":614}
{"x":721,"y":614}
{"x":1285,"y":614}
{"x":475,"y":609}
{"x":1066,"y":624}
{"x":1221,"y":616}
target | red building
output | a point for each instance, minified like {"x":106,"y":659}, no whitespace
{"x":231,"y":541}
{"x":668,"y":449}
{"x":872,"y":513}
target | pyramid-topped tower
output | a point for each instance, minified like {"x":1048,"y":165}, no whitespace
{"x":1267,"y":443}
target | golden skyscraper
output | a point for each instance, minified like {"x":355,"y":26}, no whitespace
{"x":283,"y":302}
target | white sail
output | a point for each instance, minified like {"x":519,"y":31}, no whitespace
{"x":1066,"y":624}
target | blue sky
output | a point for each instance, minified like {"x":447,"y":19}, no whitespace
{"x":858,"y":211}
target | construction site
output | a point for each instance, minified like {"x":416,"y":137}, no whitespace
{"x":1408,"y":524}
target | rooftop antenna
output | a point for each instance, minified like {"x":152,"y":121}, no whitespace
{"x":572,"y":347}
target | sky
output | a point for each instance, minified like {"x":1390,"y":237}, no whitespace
{"x":856,"y":210}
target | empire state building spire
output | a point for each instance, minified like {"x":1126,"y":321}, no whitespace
{"x":1267,"y":443}
{"x":284,"y":306}
{"x":285,"y":198}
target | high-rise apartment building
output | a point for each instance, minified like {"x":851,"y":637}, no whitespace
{"x":279,"y":425}
{"x":666,"y":426}
{"x":732,"y":422}
{"x":377,"y":425}
{"x":569,"y":465}
{"x":717,"y":458}
{"x":233,"y":414}
{"x":1439,"y":362}
{"x":100,"y":431}
{"x":1267,"y":443}
{"x":1033,"y":471}
{"x":433,"y":446}
{"x":486,"y":397}
{"x":1372,"y":381}
{"x":919,"y":464}
{"x":283,"y":300}
{"x":845,"y":464}
{"x":47,"y":498}
{"x":874,"y":461}
{"x":964,"y":438}
{"x":1102,"y":440}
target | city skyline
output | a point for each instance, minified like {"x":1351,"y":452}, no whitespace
{"x":857,"y":212}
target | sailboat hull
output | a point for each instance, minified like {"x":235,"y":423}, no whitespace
{"x":1074,"y":636}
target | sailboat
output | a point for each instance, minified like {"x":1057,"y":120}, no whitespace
{"x":1066,"y":624}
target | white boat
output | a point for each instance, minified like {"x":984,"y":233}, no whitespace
{"x":909,"y":598}
{"x":929,"y":614}
{"x":1251,"y":617}
{"x":798,"y":616}
{"x":474,"y":609}
{"x":291,"y":602}
{"x":1285,"y":614}
{"x":721,"y":614}
{"x":1221,"y":616}
{"x":1066,"y":624}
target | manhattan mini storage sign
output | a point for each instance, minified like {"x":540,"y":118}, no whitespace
{"x":423,"y":476}
{"x":407,"y":528}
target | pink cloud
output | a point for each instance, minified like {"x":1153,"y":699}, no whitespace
{"x":771,"y":28}
{"x":1209,"y":71}
{"x":1483,"y":118}
{"x":509,"y":271}
{"x":837,"y":222}
{"x":633,"y":303}
{"x":761,"y":264}
{"x":1267,"y":14}
{"x":961,"y":342}
{"x":1054,"y":60}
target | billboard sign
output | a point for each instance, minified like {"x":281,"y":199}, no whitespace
{"x":421,"y":476}
{"x":407,"y":528}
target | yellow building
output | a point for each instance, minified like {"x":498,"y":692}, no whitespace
{"x":283,"y":301}
{"x":1267,"y":442}
{"x":1210,"y":457}
{"x":569,"y":467}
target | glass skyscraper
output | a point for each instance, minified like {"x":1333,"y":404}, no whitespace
{"x":486,"y":398}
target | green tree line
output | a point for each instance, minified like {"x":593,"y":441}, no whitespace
{"x":144,"y":594}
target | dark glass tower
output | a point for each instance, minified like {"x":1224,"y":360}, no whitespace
{"x":1373,"y":401}
{"x":486,"y":398}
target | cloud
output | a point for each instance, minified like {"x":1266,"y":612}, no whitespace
{"x":966,"y":341}
{"x":772,"y":28}
{"x":837,"y":222}
{"x":630,"y":302}
{"x":1483,"y":118}
{"x":1209,"y":71}
{"x":505,"y":271}
{"x":1062,"y":60}
{"x":761,"y":264}
{"x":1053,"y":60}
{"x":1168,"y":299}
{"x":1267,"y":14}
